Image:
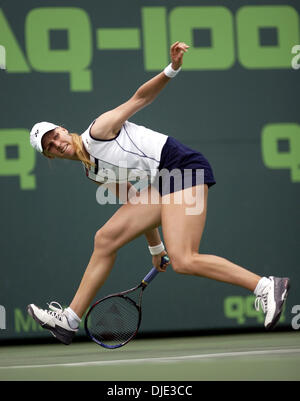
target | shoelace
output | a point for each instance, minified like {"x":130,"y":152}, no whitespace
{"x":261,"y":300}
{"x":55,"y":312}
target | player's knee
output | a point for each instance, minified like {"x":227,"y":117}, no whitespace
{"x":99,"y":239}
{"x":182,"y":264}
{"x":103,"y":241}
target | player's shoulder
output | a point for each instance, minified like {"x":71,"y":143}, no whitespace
{"x":88,"y":129}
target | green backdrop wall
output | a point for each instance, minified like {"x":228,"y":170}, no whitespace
{"x":236,"y":100}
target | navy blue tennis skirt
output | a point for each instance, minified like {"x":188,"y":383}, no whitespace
{"x":181,"y":167}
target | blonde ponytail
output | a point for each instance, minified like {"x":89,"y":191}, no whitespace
{"x":77,"y":142}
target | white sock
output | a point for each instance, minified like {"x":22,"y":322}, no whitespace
{"x":261,"y":285}
{"x":73,"y":319}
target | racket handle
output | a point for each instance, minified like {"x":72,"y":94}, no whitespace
{"x":153,"y":272}
{"x":150,"y":276}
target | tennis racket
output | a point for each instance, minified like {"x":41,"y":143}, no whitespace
{"x":114,"y":320}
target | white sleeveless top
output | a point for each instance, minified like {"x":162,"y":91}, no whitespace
{"x":132,"y":155}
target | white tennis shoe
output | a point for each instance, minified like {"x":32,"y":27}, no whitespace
{"x":272,"y":299}
{"x":53,"y":319}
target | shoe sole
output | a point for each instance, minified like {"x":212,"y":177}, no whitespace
{"x":57,"y":332}
{"x":281,"y":286}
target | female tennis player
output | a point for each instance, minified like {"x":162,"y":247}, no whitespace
{"x":112,"y":149}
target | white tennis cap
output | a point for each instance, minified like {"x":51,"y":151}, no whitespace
{"x":37,"y":133}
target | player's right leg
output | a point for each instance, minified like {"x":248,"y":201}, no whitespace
{"x":129,"y":222}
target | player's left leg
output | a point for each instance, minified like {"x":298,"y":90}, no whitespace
{"x":183,"y":222}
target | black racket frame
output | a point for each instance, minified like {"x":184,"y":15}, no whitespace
{"x":122,"y":294}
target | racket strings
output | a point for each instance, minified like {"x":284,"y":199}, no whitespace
{"x":114,"y":320}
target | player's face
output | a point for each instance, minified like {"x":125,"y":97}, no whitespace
{"x":58,"y":143}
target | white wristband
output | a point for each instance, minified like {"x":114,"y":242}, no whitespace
{"x":170,"y":72}
{"x":157,"y":249}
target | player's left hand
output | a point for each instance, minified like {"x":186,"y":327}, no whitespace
{"x":177,"y":51}
{"x":156,"y":261}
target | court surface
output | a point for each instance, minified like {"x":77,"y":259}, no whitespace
{"x":258,"y":356}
